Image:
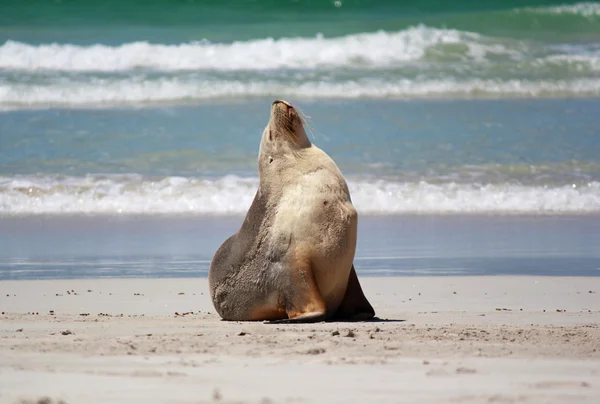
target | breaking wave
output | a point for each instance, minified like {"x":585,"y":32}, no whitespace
{"x":131,"y":92}
{"x":584,"y":9}
{"x":134,"y":194}
{"x":377,"y":49}
{"x":419,"y":61}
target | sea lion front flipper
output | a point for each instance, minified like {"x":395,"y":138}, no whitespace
{"x":302,"y":299}
{"x":355,"y":306}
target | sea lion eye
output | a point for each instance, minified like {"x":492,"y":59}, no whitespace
{"x":270,"y":159}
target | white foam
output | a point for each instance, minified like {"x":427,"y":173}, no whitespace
{"x":373,"y":50}
{"x":173,"y":90}
{"x":366,"y":65}
{"x":377,"y":49}
{"x":580,"y":62}
{"x":124,"y":194}
{"x":584,"y":9}
{"x":132,"y":194}
{"x":393,"y":197}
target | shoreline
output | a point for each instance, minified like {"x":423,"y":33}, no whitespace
{"x":405,"y":245}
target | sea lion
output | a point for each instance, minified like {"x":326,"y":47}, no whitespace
{"x":292,"y":259}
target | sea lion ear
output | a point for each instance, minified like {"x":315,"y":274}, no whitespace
{"x":270,"y":135}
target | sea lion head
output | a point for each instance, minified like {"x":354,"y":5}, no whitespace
{"x":283,"y":137}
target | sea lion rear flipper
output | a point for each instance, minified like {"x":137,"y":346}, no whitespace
{"x":304,"y":318}
{"x":355,"y":306}
{"x":302,"y":299}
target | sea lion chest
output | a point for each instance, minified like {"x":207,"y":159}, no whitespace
{"x":315,"y":221}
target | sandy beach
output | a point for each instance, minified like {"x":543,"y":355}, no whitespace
{"x":439,"y":339}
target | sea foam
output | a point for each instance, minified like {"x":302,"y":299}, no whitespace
{"x":109,"y":92}
{"x":584,"y":9}
{"x":364,"y":51}
{"x":133,"y":194}
{"x":416,"y":62}
{"x":376,"y":49}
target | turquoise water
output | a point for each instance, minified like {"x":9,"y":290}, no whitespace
{"x":107,"y":53}
{"x":164,"y":21}
{"x":152,"y":110}
{"x":156,"y":107}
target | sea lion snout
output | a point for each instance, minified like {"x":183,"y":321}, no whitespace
{"x":285,"y":119}
{"x":284,"y":108}
{"x":282,"y":102}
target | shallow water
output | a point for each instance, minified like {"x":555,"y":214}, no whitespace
{"x":457,"y":156}
{"x":63,"y":247}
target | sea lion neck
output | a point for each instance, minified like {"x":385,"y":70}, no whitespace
{"x":284,"y":143}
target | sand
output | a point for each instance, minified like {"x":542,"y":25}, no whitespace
{"x":505,"y":339}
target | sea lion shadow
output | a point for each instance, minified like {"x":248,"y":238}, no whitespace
{"x":335,"y":320}
{"x":345,"y":320}
{"x":371,"y":320}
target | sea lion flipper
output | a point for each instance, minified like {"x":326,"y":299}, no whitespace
{"x":355,"y":306}
{"x":304,"y":318}
{"x":302,"y":299}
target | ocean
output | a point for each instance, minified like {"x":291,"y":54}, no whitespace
{"x":129,"y":130}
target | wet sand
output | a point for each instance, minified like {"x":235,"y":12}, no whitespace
{"x":501,"y":339}
{"x":97,"y":246}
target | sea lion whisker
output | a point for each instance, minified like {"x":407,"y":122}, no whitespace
{"x":303,"y":117}
{"x":305,"y":120}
